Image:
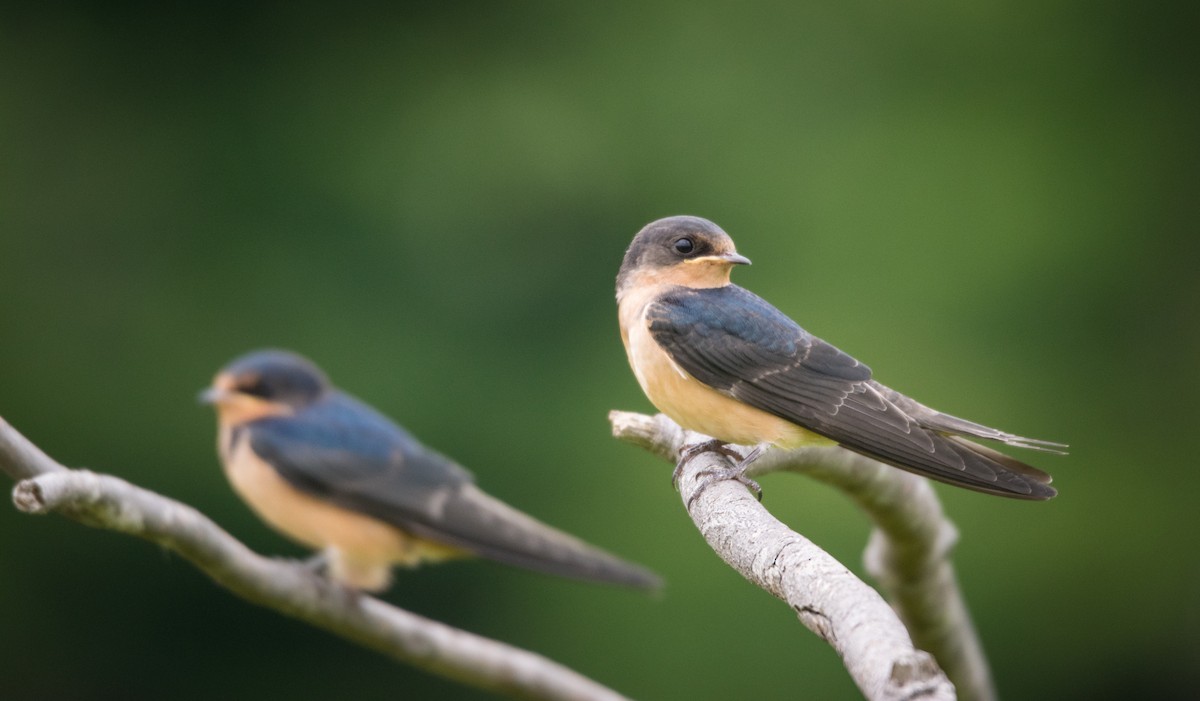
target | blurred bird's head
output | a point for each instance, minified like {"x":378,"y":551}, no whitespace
{"x":265,"y":383}
{"x":682,"y":250}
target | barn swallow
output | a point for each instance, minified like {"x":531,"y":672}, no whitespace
{"x":722,"y":361}
{"x":330,"y":472}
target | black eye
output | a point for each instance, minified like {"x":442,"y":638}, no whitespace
{"x":684,"y":245}
{"x":257,"y":388}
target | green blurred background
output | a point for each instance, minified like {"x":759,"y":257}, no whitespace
{"x":992,"y":204}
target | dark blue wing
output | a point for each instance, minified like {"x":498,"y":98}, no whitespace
{"x":346,"y":453}
{"x":737,"y":343}
{"x":342,"y":451}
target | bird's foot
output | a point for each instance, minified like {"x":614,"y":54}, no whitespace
{"x":688,"y":453}
{"x":317,"y":563}
{"x":718,"y":474}
{"x":320,"y":567}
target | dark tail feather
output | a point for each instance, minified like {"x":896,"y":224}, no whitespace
{"x":483,"y":525}
{"x":945,"y":423}
{"x":962,"y":463}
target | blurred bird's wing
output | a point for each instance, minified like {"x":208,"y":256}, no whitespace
{"x":344,"y":452}
{"x":348,"y":454}
{"x":737,"y":343}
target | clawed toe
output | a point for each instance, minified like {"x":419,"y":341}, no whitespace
{"x":718,"y":474}
{"x":737,"y":474}
{"x":317,"y":564}
{"x":688,"y":453}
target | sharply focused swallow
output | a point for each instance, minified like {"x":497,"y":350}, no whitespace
{"x":722,"y":361}
{"x":333,"y":474}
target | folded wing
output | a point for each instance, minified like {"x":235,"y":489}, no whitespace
{"x":737,"y":343}
{"x":345,"y":453}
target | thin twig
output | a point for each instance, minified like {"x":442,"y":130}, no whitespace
{"x":107,"y":502}
{"x":828,"y":598}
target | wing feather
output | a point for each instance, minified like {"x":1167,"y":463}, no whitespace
{"x":737,"y":343}
{"x":344,"y":452}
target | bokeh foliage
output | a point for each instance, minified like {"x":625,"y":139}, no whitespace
{"x":992,"y":204}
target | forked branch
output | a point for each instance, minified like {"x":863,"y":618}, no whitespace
{"x":908,"y":554}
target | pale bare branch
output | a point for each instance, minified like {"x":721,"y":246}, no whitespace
{"x":107,"y":502}
{"x":907,"y":553}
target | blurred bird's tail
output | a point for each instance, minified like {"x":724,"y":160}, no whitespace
{"x":490,"y":528}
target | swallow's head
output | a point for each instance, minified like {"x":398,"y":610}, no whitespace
{"x":681,"y":250}
{"x":265,"y":383}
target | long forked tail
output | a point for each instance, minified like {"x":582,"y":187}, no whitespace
{"x":952,"y":424}
{"x":962,"y":463}
{"x":943,"y":452}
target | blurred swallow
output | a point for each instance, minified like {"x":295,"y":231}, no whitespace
{"x":722,"y":361}
{"x":333,"y":474}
